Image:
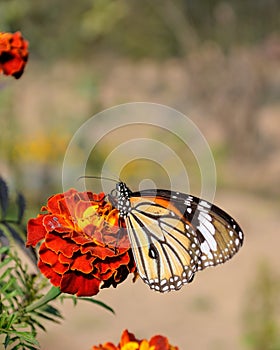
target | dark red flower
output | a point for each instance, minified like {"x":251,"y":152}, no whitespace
{"x":129,"y":342}
{"x":83,"y":248}
{"x":13,"y":54}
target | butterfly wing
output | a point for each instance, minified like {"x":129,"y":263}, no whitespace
{"x":173,"y":235}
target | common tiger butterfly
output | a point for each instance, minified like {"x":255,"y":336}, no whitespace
{"x":173,"y":235}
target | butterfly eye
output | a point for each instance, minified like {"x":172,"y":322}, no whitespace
{"x":153,"y":254}
{"x":114,"y":193}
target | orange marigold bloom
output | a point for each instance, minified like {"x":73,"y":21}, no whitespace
{"x":13,"y":54}
{"x":129,"y":342}
{"x":83,"y":247}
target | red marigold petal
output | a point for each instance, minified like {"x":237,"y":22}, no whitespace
{"x":107,"y":275}
{"x":159,"y":342}
{"x":83,"y":263}
{"x":113,"y":217}
{"x":67,"y":204}
{"x":81,"y":207}
{"x":106,"y":346}
{"x":79,"y":238}
{"x":97,"y":236}
{"x":64,"y":260}
{"x":47,"y":255}
{"x":59,"y":244}
{"x":57,"y":223}
{"x":93,"y":197}
{"x":54,"y":201}
{"x":14,"y":65}
{"x":13,"y":54}
{"x":113,"y":263}
{"x":80,"y":284}
{"x":18,"y":41}
{"x":5,"y":45}
{"x":35,"y":231}
{"x":121,"y":274}
{"x":127,"y":337}
{"x":98,"y":251}
{"x":50,"y":258}
{"x":92,"y":231}
{"x":54,"y":277}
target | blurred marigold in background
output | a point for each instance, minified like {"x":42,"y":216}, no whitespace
{"x":83,"y":248}
{"x":13,"y":54}
{"x":129,"y":342}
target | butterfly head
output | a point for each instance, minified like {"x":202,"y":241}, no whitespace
{"x":120,"y":198}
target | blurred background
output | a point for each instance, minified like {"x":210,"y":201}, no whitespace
{"x":218,"y":62}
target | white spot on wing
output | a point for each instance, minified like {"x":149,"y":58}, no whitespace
{"x":208,"y":231}
{"x":205,"y":204}
{"x":206,"y":250}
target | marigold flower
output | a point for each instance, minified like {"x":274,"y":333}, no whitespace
{"x":83,"y":247}
{"x":13,"y":54}
{"x":129,"y":342}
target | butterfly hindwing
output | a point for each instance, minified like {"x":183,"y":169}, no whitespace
{"x":164,"y":257}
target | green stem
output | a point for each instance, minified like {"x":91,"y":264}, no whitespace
{"x":52,"y":294}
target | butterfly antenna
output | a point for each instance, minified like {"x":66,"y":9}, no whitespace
{"x":97,"y":177}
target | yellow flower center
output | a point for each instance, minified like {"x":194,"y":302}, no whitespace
{"x":132,"y":345}
{"x":90,"y":216}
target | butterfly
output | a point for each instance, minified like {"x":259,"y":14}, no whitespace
{"x":173,"y":235}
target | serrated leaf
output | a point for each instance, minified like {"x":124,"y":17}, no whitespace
{"x":4,"y":198}
{"x":98,"y":302}
{"x":21,"y":207}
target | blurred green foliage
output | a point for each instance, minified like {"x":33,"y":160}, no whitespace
{"x":227,"y":85}
{"x":261,"y":315}
{"x":137,"y":28}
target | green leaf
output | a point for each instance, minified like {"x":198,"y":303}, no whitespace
{"x":4,"y":198}
{"x":4,"y":242}
{"x":6,"y":261}
{"x":21,"y":207}
{"x":39,"y":324}
{"x":12,"y":318}
{"x":52,"y":294}
{"x":12,"y":294}
{"x":15,"y":234}
{"x":4,"y":250}
{"x":27,"y":337}
{"x":98,"y":302}
{"x":51,"y":310}
{"x":32,"y":254}
{"x":11,"y":282}
{"x":7,"y":340}
{"x":46,"y":317}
